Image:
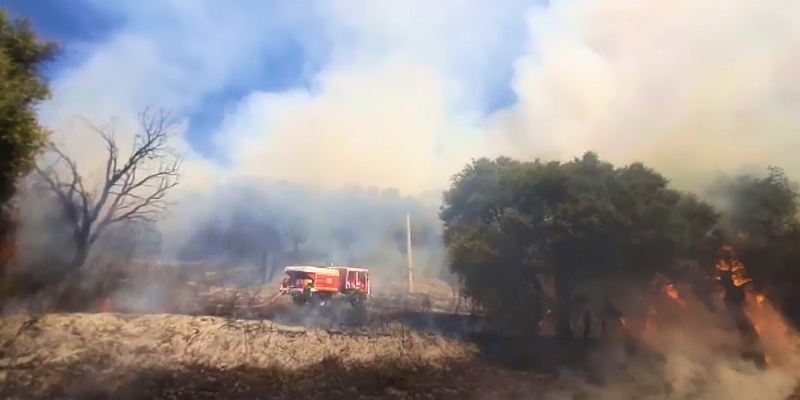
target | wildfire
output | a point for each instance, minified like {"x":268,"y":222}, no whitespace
{"x":670,"y":291}
{"x":765,"y":320}
{"x":733,"y":267}
{"x":772,"y":338}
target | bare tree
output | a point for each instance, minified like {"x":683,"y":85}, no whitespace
{"x":133,"y":188}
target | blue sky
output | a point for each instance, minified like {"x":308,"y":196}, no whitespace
{"x":82,"y":25}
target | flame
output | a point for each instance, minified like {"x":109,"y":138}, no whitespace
{"x":672,"y":292}
{"x":728,"y":264}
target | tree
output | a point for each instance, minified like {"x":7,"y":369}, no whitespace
{"x":491,"y":247}
{"x":134,"y":186}
{"x":510,"y":226}
{"x":23,"y":56}
{"x":22,"y":87}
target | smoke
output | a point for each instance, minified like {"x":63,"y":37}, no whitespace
{"x":688,"y":352}
{"x":689,"y":88}
{"x":401,"y":95}
{"x":348,"y":226}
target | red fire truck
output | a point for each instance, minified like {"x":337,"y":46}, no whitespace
{"x":320,"y":285}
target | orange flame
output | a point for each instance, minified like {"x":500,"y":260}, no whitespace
{"x":733,"y":267}
{"x":672,"y":292}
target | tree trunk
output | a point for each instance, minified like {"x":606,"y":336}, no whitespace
{"x":563,"y":307}
{"x":81,"y":255}
{"x":535,"y":306}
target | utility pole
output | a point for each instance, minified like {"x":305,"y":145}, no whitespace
{"x":408,"y":253}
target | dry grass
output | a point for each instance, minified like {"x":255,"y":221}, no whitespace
{"x":56,"y":354}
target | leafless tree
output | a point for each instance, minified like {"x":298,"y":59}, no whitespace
{"x":133,"y":188}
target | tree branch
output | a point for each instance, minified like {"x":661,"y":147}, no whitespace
{"x":133,"y":187}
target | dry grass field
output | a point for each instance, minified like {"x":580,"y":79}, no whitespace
{"x":107,"y":355}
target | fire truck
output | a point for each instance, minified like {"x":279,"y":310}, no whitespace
{"x":311,"y":285}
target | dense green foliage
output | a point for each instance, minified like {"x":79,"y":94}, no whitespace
{"x":516,"y":231}
{"x":22,"y":87}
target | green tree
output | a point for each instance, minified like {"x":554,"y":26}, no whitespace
{"x":510,"y":226}
{"x":22,"y":87}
